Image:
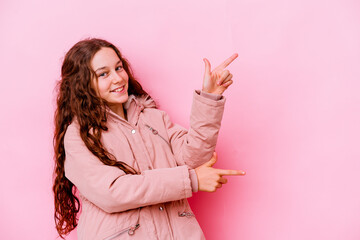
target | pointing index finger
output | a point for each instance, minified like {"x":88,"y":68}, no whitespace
{"x":230,"y":172}
{"x":228,"y":61}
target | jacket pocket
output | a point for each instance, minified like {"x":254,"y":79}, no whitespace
{"x":187,"y":214}
{"x":184,"y":221}
{"x":159,"y":147}
{"x":155,"y":132}
{"x":184,"y":209}
{"x":129,"y":230}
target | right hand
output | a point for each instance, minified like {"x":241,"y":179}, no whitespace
{"x":210,"y":178}
{"x":219,"y":79}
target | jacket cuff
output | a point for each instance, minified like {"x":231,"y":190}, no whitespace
{"x":194,"y":180}
{"x":212,"y":96}
{"x":209,"y":98}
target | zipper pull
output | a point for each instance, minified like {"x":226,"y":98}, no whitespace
{"x":152,"y":130}
{"x":132,"y":229}
{"x":186,"y":214}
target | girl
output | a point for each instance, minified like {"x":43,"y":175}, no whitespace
{"x":133,"y":167}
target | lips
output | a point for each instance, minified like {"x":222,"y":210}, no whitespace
{"x":119,"y":89}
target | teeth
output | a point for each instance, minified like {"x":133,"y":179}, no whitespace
{"x":118,"y":89}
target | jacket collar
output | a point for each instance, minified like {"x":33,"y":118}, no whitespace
{"x":144,"y":101}
{"x":134,"y":106}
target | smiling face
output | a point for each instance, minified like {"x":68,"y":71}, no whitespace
{"x":112,"y":79}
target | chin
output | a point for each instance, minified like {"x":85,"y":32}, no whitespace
{"x":123,"y":99}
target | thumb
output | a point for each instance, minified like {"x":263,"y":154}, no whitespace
{"x":207,"y":66}
{"x":212,"y":160}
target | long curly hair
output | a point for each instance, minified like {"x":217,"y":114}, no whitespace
{"x":78,"y":99}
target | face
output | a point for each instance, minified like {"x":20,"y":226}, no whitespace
{"x":112,"y":79}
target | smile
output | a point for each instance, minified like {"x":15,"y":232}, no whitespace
{"x":119,"y":89}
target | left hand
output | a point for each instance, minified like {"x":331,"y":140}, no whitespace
{"x":209,"y":178}
{"x":219,"y":79}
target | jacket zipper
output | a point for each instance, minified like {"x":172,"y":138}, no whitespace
{"x":155,"y":132}
{"x":129,"y":230}
{"x":186,"y":214}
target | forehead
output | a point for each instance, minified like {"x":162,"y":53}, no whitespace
{"x":105,"y":57}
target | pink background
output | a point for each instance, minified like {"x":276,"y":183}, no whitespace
{"x":291,"y":119}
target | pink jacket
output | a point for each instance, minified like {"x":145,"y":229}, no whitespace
{"x":151,"y":205}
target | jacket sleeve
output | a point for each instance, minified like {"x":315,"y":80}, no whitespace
{"x":114,"y":191}
{"x":195,"y":146}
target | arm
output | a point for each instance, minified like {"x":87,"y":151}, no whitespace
{"x":196,"y":146}
{"x":111,"y":189}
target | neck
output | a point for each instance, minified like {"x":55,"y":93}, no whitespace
{"x":119,"y":110}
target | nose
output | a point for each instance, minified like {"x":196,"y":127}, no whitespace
{"x":117,"y":78}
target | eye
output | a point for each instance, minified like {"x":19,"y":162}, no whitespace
{"x":103,"y":74}
{"x":119,"y":68}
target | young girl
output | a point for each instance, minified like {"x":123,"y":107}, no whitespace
{"x":133,"y":168}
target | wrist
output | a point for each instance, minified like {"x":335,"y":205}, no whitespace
{"x":216,"y":92}
{"x":213,"y":96}
{"x":194,"y":180}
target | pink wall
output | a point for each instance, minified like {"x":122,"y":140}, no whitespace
{"x":291,"y":119}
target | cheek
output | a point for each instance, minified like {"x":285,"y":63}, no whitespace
{"x":103,"y":87}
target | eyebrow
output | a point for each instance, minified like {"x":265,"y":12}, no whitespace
{"x":106,"y":66}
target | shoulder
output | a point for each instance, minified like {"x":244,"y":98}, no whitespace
{"x":72,"y":132}
{"x":153,"y":114}
{"x":73,"y":127}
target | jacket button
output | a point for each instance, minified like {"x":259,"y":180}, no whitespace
{"x":161,"y":208}
{"x":133,"y":131}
